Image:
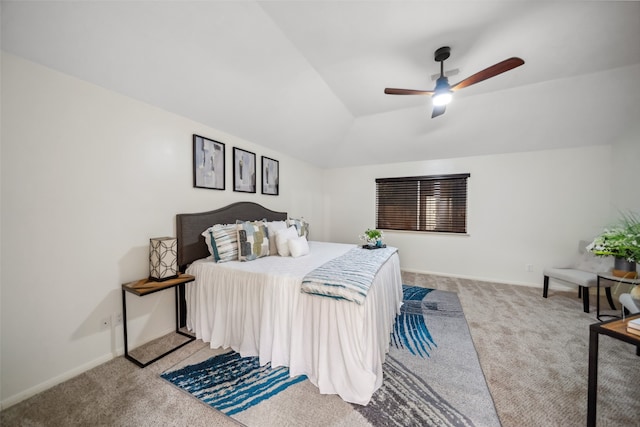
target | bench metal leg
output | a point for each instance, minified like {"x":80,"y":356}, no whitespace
{"x":585,"y":299}
{"x":545,"y":287}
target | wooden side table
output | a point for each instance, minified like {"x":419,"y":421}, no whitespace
{"x":616,"y":328}
{"x":145,"y":287}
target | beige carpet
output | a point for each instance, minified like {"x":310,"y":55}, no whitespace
{"x":534,"y":353}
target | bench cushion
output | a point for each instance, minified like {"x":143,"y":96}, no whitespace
{"x":571,"y":275}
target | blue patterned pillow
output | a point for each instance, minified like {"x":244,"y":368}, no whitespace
{"x":253,"y":240}
{"x":222,"y":242}
{"x":301,"y":225}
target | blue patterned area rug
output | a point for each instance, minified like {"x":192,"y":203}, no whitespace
{"x":432,"y":377}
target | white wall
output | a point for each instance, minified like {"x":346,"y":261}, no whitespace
{"x":88,"y":176}
{"x":625,"y":194}
{"x":525,"y":208}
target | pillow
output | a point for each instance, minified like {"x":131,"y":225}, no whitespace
{"x":282,"y":240}
{"x":298,"y":246}
{"x":273,"y":227}
{"x":222,"y":242}
{"x":301,"y":225}
{"x":253,"y":240}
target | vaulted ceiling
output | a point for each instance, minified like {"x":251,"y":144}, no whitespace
{"x":307,"y":77}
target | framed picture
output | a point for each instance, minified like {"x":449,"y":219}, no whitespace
{"x":270,"y":176}
{"x":244,"y":171}
{"x":208,"y":163}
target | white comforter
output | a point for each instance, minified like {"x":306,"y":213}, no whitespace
{"x":256,"y":308}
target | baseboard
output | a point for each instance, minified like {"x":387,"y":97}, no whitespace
{"x":476,"y":278}
{"x":30,"y":392}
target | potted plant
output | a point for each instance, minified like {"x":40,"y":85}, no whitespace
{"x":373,"y":237}
{"x":621,"y":241}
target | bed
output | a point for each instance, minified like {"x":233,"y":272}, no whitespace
{"x":257,"y":308}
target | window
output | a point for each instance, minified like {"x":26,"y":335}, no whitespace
{"x":422,"y":203}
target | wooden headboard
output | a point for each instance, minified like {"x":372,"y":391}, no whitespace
{"x":189,"y":226}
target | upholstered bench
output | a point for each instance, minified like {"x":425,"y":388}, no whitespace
{"x":583,"y":274}
{"x":583,"y":279}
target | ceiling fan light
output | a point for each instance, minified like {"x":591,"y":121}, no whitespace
{"x":442,"y":98}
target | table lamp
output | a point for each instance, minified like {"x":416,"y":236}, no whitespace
{"x":163,"y":258}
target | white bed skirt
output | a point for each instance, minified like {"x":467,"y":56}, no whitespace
{"x":256,"y":308}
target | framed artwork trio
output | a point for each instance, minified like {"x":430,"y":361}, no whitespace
{"x":209,"y":168}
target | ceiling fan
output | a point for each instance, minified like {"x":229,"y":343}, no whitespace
{"x":441,"y":95}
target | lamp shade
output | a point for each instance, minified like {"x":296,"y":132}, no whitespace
{"x":163,"y":258}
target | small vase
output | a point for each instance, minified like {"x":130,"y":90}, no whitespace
{"x":624,"y":268}
{"x":379,"y":243}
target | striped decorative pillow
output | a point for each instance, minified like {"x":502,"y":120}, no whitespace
{"x":222,"y":242}
{"x":253,"y":240}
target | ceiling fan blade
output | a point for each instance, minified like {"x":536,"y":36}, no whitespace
{"x":391,"y":91}
{"x":494,"y":70}
{"x":438,"y":111}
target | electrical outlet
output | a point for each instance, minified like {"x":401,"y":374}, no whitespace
{"x":529,"y":268}
{"x":116,"y":319}
{"x":105,"y":323}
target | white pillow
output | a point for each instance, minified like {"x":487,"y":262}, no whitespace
{"x":298,"y":246}
{"x":282,"y":238}
{"x":273,"y":227}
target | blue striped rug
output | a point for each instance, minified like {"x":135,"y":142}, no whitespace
{"x":432,"y":377}
{"x":231,"y":383}
{"x":410,"y":329}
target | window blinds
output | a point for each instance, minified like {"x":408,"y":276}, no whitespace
{"x":423,"y":203}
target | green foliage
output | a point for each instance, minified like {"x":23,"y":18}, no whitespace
{"x":621,"y":240}
{"x":371,"y":236}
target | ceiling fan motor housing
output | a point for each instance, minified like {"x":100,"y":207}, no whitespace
{"x":442,"y":93}
{"x":442,"y":84}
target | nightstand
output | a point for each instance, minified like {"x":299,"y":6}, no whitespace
{"x":145,"y":287}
